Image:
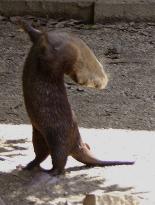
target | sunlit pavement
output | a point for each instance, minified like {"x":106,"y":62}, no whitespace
{"x":105,"y":144}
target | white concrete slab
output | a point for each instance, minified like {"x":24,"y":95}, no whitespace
{"x":106,"y":144}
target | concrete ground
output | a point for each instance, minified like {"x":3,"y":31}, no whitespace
{"x":39,"y":188}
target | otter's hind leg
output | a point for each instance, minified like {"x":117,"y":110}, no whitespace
{"x":59,"y":148}
{"x":40,"y":148}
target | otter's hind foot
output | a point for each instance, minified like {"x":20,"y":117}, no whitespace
{"x":54,"y":172}
{"x":31,"y":165}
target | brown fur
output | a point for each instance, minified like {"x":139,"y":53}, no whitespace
{"x":55,"y":129}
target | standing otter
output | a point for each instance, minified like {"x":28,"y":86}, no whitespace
{"x":55,"y":129}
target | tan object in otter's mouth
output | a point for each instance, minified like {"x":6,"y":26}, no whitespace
{"x":87,"y":70}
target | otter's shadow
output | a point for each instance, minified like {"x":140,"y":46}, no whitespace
{"x":12,"y":148}
{"x":41,"y":186}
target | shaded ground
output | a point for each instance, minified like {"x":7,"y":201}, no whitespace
{"x":126,"y":49}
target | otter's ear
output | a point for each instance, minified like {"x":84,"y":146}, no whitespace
{"x":32,"y":32}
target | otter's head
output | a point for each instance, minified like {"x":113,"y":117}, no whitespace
{"x":66,"y":54}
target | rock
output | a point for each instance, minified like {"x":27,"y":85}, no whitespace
{"x":80,"y":89}
{"x":2,"y":18}
{"x":68,"y":86}
{"x":60,"y":24}
{"x":13,"y":19}
{"x":112,"y":198}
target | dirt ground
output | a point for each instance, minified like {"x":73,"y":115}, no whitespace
{"x":127,"y":52}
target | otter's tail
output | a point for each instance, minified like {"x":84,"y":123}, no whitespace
{"x":84,"y":155}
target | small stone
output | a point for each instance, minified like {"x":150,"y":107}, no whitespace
{"x":13,"y":19}
{"x":80,"y":89}
{"x":68,"y":87}
{"x":20,"y":30}
{"x":30,"y":17}
{"x":3,"y":18}
{"x":60,"y":25}
{"x":19,"y":167}
{"x":65,"y":193}
{"x":132,"y":23}
{"x":70,"y":83}
{"x":52,"y":22}
{"x":11,"y":35}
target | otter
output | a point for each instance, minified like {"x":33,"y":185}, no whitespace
{"x":55,"y":130}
